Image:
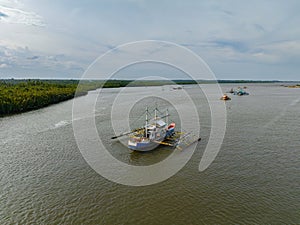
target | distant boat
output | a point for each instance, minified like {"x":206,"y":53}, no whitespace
{"x":231,"y":91}
{"x":225,"y":97}
{"x":240,"y":92}
{"x":177,"y":88}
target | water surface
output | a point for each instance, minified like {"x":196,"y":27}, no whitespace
{"x":254,"y":179}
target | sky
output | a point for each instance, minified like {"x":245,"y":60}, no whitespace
{"x":258,"y":39}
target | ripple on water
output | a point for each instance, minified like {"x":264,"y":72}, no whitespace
{"x":253,"y":180}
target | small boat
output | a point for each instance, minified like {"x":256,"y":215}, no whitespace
{"x":177,"y":88}
{"x":225,"y":97}
{"x":231,"y":91}
{"x":156,"y":132}
{"x":240,"y":92}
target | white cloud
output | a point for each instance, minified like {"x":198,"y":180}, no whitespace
{"x":22,"y":59}
{"x":261,"y":34}
{"x":264,"y":57}
{"x":287,"y":47}
{"x":3,"y":65}
{"x":9,"y":13}
{"x":278,"y":52}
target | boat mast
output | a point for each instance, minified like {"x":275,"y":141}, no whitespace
{"x":146,"y":130}
{"x":155,"y":114}
{"x":167,"y":117}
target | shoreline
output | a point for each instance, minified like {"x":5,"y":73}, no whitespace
{"x":294,"y":86}
{"x":19,"y":96}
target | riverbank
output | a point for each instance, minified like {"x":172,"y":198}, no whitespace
{"x":294,"y":86}
{"x":17,"y":96}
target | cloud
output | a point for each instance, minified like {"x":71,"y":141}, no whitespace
{"x":259,"y":34}
{"x":21,"y":60}
{"x":18,"y":16}
{"x":259,"y":27}
{"x":3,"y":65}
{"x":287,"y":51}
{"x":235,"y":45}
{"x":3,"y":15}
{"x":33,"y":57}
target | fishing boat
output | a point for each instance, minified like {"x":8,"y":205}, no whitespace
{"x":177,"y":88}
{"x":240,"y":91}
{"x":156,"y":131}
{"x":153,"y":133}
{"x":225,"y":97}
{"x":231,"y":91}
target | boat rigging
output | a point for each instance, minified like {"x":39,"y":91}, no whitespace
{"x":157,"y":131}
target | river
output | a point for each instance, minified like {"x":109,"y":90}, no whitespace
{"x":253,"y":180}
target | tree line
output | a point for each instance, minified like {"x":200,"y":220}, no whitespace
{"x":24,"y":95}
{"x":21,"y":96}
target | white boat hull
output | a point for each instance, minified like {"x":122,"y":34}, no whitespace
{"x":144,"y":146}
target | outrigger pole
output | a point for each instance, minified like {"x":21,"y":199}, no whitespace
{"x":135,"y":130}
{"x":120,"y":135}
{"x":167,"y":117}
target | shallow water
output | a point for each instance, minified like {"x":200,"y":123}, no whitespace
{"x":253,"y":180}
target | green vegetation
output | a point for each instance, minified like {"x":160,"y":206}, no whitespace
{"x":294,"y":86}
{"x":23,"y":95}
{"x":28,"y":95}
